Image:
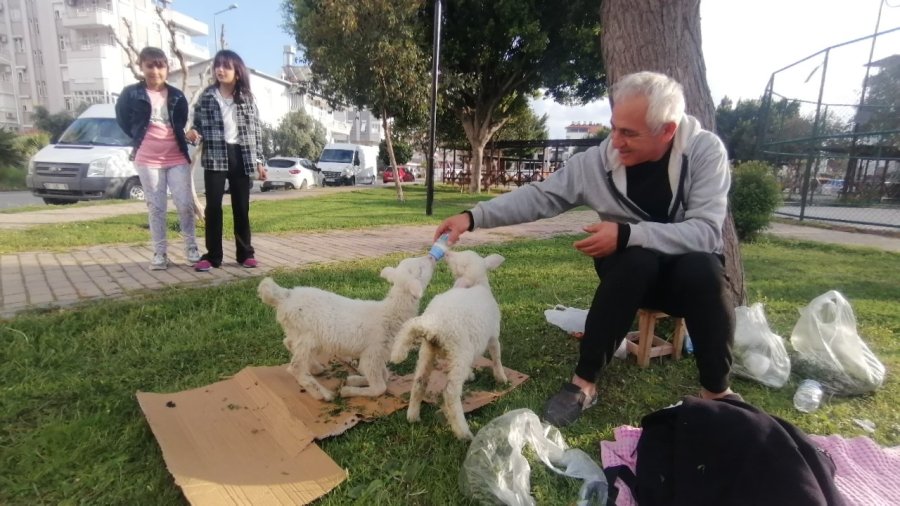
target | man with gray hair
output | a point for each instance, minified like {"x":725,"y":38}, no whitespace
{"x":659,"y":184}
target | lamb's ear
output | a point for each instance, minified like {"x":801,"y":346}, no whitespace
{"x":463,"y":282}
{"x":493,"y":261}
{"x":414,"y":288}
{"x":387,"y":273}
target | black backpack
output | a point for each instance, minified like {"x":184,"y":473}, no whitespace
{"x":725,"y":452}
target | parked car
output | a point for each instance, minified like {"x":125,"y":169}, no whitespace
{"x":405,"y":176}
{"x":88,"y":162}
{"x":291,"y":173}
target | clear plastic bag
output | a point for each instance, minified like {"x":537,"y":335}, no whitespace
{"x":496,"y":472}
{"x":830,"y":350}
{"x":759,"y":353}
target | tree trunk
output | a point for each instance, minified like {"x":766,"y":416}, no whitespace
{"x":664,"y":36}
{"x":390,"y":150}
{"x":478,"y":133}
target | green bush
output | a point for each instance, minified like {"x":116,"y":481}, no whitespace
{"x":754,"y":196}
{"x":12,"y":178}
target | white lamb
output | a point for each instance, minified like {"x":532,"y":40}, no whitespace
{"x":319,"y":322}
{"x":458,"y":326}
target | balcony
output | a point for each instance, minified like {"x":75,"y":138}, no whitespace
{"x":88,"y":17}
{"x":92,"y":51}
{"x":187,"y":24}
{"x":193,"y":52}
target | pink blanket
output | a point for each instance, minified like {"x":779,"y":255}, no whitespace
{"x":866,"y":474}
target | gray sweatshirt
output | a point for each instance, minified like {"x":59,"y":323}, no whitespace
{"x":585,"y":181}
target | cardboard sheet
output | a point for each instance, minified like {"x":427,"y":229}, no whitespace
{"x":250,"y":439}
{"x":224,"y":446}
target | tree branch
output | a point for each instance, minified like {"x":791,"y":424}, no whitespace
{"x":130,"y":51}
{"x":170,"y":26}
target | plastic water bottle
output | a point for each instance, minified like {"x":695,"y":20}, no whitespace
{"x":440,"y":247}
{"x":688,"y":345}
{"x":809,"y":395}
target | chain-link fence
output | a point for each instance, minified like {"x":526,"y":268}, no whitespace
{"x":830,"y":124}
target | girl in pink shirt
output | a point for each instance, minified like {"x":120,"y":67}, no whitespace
{"x":154,"y":113}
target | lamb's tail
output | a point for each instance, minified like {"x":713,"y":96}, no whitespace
{"x":410,"y":334}
{"x":271,"y":293}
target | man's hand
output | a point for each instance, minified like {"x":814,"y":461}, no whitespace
{"x":261,"y":170}
{"x":455,"y":225}
{"x":601,"y":242}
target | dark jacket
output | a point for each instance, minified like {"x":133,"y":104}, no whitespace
{"x":133,"y":114}
{"x":208,"y":121}
{"x":729,"y":452}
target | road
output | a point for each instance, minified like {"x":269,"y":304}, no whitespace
{"x":876,"y":217}
{"x":11,"y":200}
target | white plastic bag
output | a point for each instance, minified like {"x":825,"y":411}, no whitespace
{"x":495,"y":471}
{"x":830,"y":350}
{"x":759,"y":353}
{"x":569,"y":319}
{"x":572,"y":321}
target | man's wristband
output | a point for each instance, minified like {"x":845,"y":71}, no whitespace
{"x":624,"y":235}
{"x":471,"y":221}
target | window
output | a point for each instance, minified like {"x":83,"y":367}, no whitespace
{"x":38,"y":57}
{"x":19,"y":44}
{"x":42,"y":88}
{"x":63,"y":42}
{"x":22,"y":76}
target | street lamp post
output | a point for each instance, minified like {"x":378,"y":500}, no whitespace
{"x":215,"y":29}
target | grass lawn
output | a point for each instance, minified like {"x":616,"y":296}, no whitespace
{"x":346,"y":210}
{"x":71,"y":431}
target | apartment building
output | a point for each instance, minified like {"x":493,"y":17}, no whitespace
{"x":344,"y":124}
{"x":61,"y":53}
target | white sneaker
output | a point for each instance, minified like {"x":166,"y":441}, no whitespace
{"x":192,"y":254}
{"x":160,"y":262}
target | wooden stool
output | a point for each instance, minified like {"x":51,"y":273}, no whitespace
{"x":645,"y":344}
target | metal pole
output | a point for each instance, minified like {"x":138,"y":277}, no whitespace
{"x":851,"y":159}
{"x":815,"y":133}
{"x":435,"y":65}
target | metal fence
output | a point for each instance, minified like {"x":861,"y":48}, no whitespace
{"x":830,"y":124}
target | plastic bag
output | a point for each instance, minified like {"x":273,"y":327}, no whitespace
{"x":759,"y":353}
{"x":830,"y":350}
{"x":496,"y":472}
{"x":569,"y":319}
{"x":572,"y":321}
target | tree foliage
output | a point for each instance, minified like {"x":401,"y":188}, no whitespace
{"x":365,"y":54}
{"x":10,"y":151}
{"x":738,"y":125}
{"x":402,"y":152}
{"x":53,"y":124}
{"x":881,"y":111}
{"x":524,"y":124}
{"x":298,"y":134}
{"x":495,"y":55}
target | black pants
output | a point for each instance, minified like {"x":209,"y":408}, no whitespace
{"x":239,"y":184}
{"x":690,"y":285}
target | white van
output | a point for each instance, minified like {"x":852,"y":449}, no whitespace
{"x":348,"y":164}
{"x":88,"y":162}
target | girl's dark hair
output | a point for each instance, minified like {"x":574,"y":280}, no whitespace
{"x":152,"y":54}
{"x":231,"y":59}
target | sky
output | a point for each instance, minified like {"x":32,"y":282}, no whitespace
{"x":744,"y":41}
